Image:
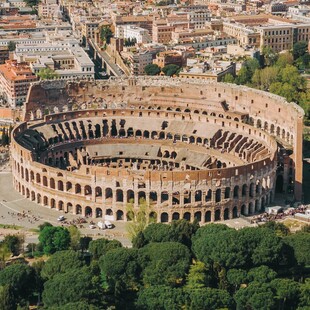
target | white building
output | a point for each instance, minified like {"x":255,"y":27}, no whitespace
{"x":130,"y":32}
{"x":62,"y":54}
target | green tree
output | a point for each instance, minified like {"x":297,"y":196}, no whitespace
{"x":7,"y":299}
{"x":121,"y":271}
{"x":47,"y":74}
{"x":228,"y":78}
{"x":300,"y":242}
{"x":152,"y":69}
{"x":287,"y":293}
{"x":261,"y":274}
{"x":209,"y":299}
{"x":198,"y":276}
{"x":263,"y":78}
{"x":11,"y":46}
{"x":54,"y":239}
{"x":279,"y":228}
{"x":270,"y":57}
{"x":4,"y":254}
{"x":171,"y":69}
{"x":160,"y":297}
{"x":284,"y":59}
{"x":45,"y":224}
{"x":258,"y":296}
{"x":75,"y":285}
{"x":79,"y":305}
{"x":305,"y":294}
{"x":14,"y":243}
{"x":61,"y":262}
{"x":164,"y":263}
{"x":236,"y":277}
{"x":106,"y":34}
{"x":75,"y":237}
{"x":300,"y":49}
{"x":101,"y":246}
{"x":84,"y":243}
{"x":20,"y":278}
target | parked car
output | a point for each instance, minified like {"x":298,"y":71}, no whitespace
{"x":61,"y":218}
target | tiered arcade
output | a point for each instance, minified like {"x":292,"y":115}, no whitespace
{"x":187,"y":149}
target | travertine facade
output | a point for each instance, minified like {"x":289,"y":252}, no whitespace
{"x":190,"y":149}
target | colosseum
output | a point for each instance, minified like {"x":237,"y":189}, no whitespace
{"x":186,"y":149}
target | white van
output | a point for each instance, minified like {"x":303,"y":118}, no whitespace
{"x":108,"y":224}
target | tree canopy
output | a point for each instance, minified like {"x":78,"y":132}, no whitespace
{"x":152,"y":69}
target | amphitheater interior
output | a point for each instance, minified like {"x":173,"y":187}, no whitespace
{"x":174,"y":149}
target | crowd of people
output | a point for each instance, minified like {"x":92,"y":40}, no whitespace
{"x":24,"y":215}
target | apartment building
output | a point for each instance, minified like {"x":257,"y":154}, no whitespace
{"x":129,"y":32}
{"x":15,"y":79}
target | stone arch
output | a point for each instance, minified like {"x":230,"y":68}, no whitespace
{"x":251,"y":208}
{"x":198,"y":196}
{"x":130,"y":216}
{"x":187,"y":216}
{"x":33,"y":196}
{"x":78,"y":189}
{"x":208,"y":195}
{"x":218,"y":195}
{"x":39,"y":198}
{"x":197,"y":216}
{"x":88,"y":211}
{"x":109,"y":212}
{"x":208,"y":216}
{"x":141,"y":196}
{"x":252,"y":190}
{"x":45,"y":201}
{"x":69,"y":207}
{"x":78,"y":209}
{"x":235,"y":212}
{"x":164,"y":196}
{"x":153,"y":197}
{"x":244,"y":190}
{"x":60,"y":185}
{"x":153,"y":217}
{"x":130,"y":196}
{"x":53,"y":203}
{"x":52,"y":183}
{"x":164,"y":217}
{"x":119,"y":195}
{"x":98,"y":212}
{"x":226,"y":214}
{"x":244,"y":210}
{"x":175,"y":216}
{"x":44,"y":181}
{"x":217,"y":215}
{"x":108,"y":193}
{"x":236,"y":192}
{"x":227,"y":193}
{"x":68,"y":186}
{"x":87,"y":190}
{"x":60,"y":205}
{"x":119,"y":215}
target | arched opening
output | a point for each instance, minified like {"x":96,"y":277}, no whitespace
{"x":78,"y":209}
{"x":88,"y":211}
{"x":52,"y":183}
{"x":45,"y":201}
{"x":60,"y":205}
{"x":44,"y":181}
{"x":187,"y":197}
{"x":146,"y":134}
{"x":218,"y":195}
{"x":217,"y":215}
{"x":87,"y":190}
{"x":69,"y":207}
{"x":153,"y":197}
{"x":227,"y":193}
{"x":60,"y":185}
{"x":38,"y":178}
{"x":108,"y":194}
{"x":53,"y":203}
{"x":251,"y":192}
{"x":226,"y":214}
{"x":119,"y":215}
{"x":197,"y":216}
{"x":78,"y":189}
{"x":208,"y":216}
{"x":119,"y":195}
{"x":109,"y":212}
{"x":38,"y":198}
{"x":198,"y":196}
{"x":164,"y":218}
{"x":98,"y":212}
{"x":243,"y":210}
{"x":153,"y":217}
{"x":26,"y":175}
{"x":141,"y":196}
{"x":187,"y":216}
{"x":235,"y":212}
{"x":244,"y":190}
{"x":251,"y":208}
{"x":175,"y":216}
{"x":98,"y":191}
{"x":208,"y":195}
{"x":138,"y":133}
{"x":33,"y":196}
{"x":164,"y":197}
{"x":236,"y":192}
{"x":130,"y":196}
